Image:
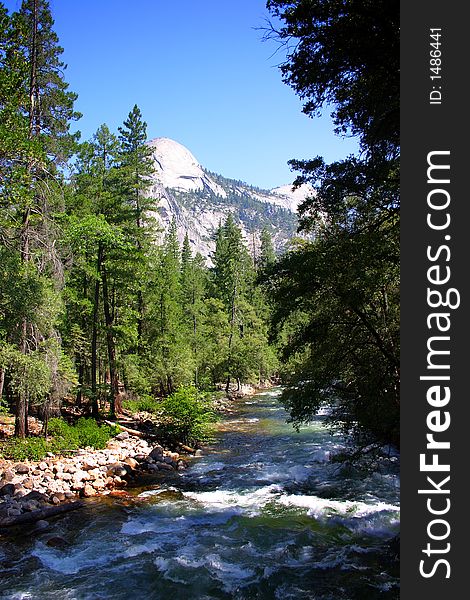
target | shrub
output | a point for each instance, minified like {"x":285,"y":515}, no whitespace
{"x":143,"y":404}
{"x":34,"y":448}
{"x":89,"y":433}
{"x":86,"y":432}
{"x":184,"y":417}
{"x":64,"y":438}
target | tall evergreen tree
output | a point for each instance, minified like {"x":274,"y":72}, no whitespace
{"x":38,"y":108}
{"x":137,"y":166}
{"x":193,"y":290}
{"x":267,"y":254}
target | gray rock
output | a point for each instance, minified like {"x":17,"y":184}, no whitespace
{"x":116,"y":470}
{"x":7,"y":490}
{"x":22,"y":469}
{"x":163,"y":466}
{"x":8,"y":475}
{"x":89,"y":491}
{"x":29,"y":505}
{"x":34,"y":495}
{"x":133,"y":464}
{"x":41,"y":525}
{"x":57,"y":542}
{"x":89,"y":463}
{"x":156,"y":453}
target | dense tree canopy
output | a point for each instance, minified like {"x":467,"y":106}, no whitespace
{"x":336,"y":297}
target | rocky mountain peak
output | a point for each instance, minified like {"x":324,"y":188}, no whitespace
{"x":199,"y":200}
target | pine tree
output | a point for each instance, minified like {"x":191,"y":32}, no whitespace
{"x":37,"y":108}
{"x":137,"y":166}
{"x":193,"y":289}
{"x":267,"y":253}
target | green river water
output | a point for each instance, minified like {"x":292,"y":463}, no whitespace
{"x":263,"y":514}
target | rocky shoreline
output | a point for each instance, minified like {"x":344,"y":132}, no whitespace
{"x":31,"y":491}
{"x":50,"y":486}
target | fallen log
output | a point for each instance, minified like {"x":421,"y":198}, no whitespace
{"x":133,"y":432}
{"x":187,"y":448}
{"x":41,"y":513}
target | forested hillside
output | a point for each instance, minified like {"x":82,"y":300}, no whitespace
{"x":92,"y":308}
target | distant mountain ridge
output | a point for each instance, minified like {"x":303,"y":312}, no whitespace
{"x":199,"y":200}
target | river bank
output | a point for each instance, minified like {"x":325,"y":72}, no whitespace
{"x":30,"y":489}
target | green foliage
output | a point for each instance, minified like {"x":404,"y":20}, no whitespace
{"x":336,"y":300}
{"x":85,"y":433}
{"x":145,"y":403}
{"x":30,"y":376}
{"x":17,"y":449}
{"x":89,"y":301}
{"x":184,"y":417}
{"x":63,"y":438}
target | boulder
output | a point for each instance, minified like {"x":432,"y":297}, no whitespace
{"x":116,"y":470}
{"x":34,"y":495}
{"x":89,"y":463}
{"x":8,"y":475}
{"x":89,"y":491}
{"x":29,"y":505}
{"x":56,"y":541}
{"x":7,"y":490}
{"x":163,"y":466}
{"x":22,"y":469}
{"x":156,"y":453}
{"x":133,"y":464}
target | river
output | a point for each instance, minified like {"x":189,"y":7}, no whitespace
{"x":263,"y":514}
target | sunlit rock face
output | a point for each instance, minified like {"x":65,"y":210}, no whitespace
{"x":200,"y":200}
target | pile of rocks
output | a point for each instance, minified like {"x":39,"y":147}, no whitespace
{"x":28,"y":486}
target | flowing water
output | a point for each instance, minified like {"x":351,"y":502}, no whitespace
{"x":263,"y":514}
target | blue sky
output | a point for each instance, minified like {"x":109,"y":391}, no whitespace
{"x":201,"y":75}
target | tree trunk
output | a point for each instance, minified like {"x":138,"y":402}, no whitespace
{"x":81,"y":373}
{"x":2,"y":382}
{"x":94,"y":336}
{"x":41,"y":513}
{"x":114,"y":399}
{"x":21,"y":416}
{"x":230,"y":339}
